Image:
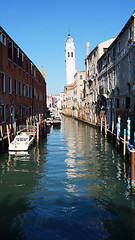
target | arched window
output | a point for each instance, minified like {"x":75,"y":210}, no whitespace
{"x":68,"y":54}
{"x":71,"y":54}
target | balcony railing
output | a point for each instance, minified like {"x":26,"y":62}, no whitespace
{"x":103,"y":91}
{"x":90,"y":78}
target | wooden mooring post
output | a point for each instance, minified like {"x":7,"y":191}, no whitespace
{"x":134,"y":140}
{"x":38,"y":132}
{"x":8,"y":135}
{"x":118,"y":130}
{"x":1,"y":131}
{"x":112,"y":126}
{"x":133,"y":170}
{"x":101,"y":127}
{"x":105,"y":128}
{"x":128,"y":134}
{"x":27,"y":125}
{"x":124,"y":144}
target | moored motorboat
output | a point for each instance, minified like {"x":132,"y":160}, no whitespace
{"x":49,"y":120}
{"x":21,"y":142}
{"x":56,"y":121}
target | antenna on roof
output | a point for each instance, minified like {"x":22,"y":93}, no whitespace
{"x":69,"y":31}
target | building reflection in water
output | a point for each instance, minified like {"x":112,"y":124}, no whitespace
{"x":20,"y":182}
{"x":91,"y":156}
{"x":75,"y":160}
{"x":96,"y":170}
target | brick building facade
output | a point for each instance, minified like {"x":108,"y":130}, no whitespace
{"x":22,"y":85}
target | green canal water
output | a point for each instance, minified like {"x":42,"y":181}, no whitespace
{"x":74,"y":185}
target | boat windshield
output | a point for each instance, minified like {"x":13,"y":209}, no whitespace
{"x":21,"y":139}
{"x":57,"y":118}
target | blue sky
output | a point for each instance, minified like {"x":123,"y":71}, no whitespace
{"x":40,"y":28}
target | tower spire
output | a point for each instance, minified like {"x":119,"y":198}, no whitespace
{"x":68,"y":31}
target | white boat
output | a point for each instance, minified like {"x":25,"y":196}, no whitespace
{"x":56,"y":121}
{"x":21,"y":142}
{"x":49,"y":120}
{"x":19,"y":153}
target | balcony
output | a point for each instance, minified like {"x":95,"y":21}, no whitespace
{"x":103,"y":91}
{"x":90,"y":78}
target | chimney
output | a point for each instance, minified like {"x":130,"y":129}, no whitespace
{"x":87,"y":48}
{"x":42,"y":70}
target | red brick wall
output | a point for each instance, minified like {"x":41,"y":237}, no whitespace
{"x":20,"y":74}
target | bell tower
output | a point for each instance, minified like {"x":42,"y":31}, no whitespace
{"x":70,"y":59}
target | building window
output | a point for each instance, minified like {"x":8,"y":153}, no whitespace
{"x":20,"y":88}
{"x":30,"y":110}
{"x":9,"y":85}
{"x":20,"y":111}
{"x":27,"y":111}
{"x":2,"y":82}
{"x":114,"y":52}
{"x":23,"y":111}
{"x":118,"y":91}
{"x":15,"y":86}
{"x":113,"y":83}
{"x":23,"y":61}
{"x":24,"y":90}
{"x":20,"y":59}
{"x":118,"y":103}
{"x":9,"y":50}
{"x":68,"y":54}
{"x":71,"y":54}
{"x":34,"y":73}
{"x":129,"y":69}
{"x":3,"y":112}
{"x":129,"y":87}
{"x":27,"y":90}
{"x":108,"y":57}
{"x":130,"y":33}
{"x":81,"y":77}
{"x":30,"y":92}
{"x":31,"y":68}
{"x":127,"y":102}
{"x":15,"y":55}
{"x":3,"y":38}
{"x":104,"y":50}
{"x":34,"y":92}
{"x":118,"y":47}
{"x":26,"y":65}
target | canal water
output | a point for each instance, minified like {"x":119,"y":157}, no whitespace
{"x":74,"y":185}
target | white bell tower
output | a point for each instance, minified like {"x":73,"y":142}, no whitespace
{"x":70,"y":59}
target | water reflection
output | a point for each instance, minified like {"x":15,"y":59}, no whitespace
{"x":90,"y":156}
{"x":18,"y":180}
{"x":73,"y":185}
